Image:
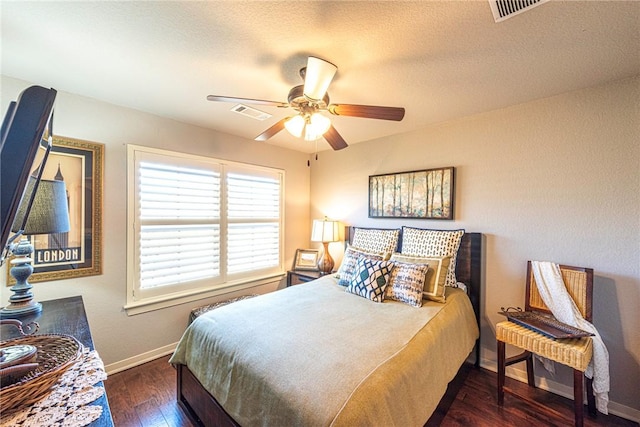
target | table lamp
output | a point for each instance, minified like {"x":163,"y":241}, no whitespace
{"x":325,"y":231}
{"x":49,"y":214}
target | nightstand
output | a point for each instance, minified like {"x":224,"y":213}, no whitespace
{"x":295,"y":277}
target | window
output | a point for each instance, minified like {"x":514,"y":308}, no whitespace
{"x":200,"y":225}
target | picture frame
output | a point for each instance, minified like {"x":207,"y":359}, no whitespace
{"x":306,"y":259}
{"x":421,"y":194}
{"x":77,"y":253}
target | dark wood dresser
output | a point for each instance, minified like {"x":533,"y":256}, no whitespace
{"x":65,"y":316}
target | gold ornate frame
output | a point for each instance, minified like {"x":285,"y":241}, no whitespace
{"x":80,"y":164}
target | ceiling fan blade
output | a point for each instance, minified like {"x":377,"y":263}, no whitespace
{"x":334,"y":139}
{"x":272,"y":130}
{"x":247,"y":100}
{"x":318,"y":76}
{"x":367,"y":111}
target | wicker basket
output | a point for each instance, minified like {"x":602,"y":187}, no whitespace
{"x":56,"y":353}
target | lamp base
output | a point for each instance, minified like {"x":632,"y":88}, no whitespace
{"x":13,"y":310}
{"x":21,"y":303}
{"x":326,"y":263}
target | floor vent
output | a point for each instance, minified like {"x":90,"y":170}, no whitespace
{"x":504,"y":9}
{"x":250,"y":112}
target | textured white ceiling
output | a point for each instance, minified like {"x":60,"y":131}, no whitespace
{"x":438,"y":60}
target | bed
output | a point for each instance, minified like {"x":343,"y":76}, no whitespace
{"x":314,"y":354}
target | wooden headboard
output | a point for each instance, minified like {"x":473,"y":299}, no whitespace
{"x":468,"y":270}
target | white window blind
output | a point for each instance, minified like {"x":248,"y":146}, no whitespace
{"x":200,"y":223}
{"x":172,"y":249}
{"x":253,"y":212}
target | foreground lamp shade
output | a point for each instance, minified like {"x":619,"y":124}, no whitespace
{"x":49,"y":213}
{"x":325,"y":231}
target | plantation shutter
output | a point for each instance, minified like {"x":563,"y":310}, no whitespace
{"x":179,"y":214}
{"x":201,"y":224}
{"x":253,"y":216}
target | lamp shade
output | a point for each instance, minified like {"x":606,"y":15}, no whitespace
{"x":316,"y":127}
{"x":325,"y":230}
{"x":295,"y":125}
{"x":49,"y":212}
{"x":319,"y":74}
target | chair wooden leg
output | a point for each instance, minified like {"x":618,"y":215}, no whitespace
{"x":591,"y":400}
{"x":578,"y":406}
{"x":531,"y":379}
{"x":501,"y":372}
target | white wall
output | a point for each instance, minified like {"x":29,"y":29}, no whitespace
{"x":122,"y":339}
{"x":557,"y":179}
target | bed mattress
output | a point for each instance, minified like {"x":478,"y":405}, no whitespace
{"x":315,"y":355}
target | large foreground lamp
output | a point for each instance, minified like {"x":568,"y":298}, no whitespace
{"x":49,"y":214}
{"x":325,"y":231}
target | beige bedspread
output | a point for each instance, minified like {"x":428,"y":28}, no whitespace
{"x":314,"y":355}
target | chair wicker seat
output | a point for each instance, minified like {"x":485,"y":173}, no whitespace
{"x":574,"y":352}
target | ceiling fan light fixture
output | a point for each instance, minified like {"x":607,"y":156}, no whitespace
{"x":318,"y":125}
{"x":318,"y":76}
{"x":295,"y":125}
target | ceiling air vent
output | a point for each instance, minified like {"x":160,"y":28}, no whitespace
{"x":504,"y":9}
{"x":250,"y":112}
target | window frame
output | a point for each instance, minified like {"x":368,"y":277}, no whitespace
{"x":140,"y":301}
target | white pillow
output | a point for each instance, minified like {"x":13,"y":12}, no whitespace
{"x":376,"y":240}
{"x":429,"y":243}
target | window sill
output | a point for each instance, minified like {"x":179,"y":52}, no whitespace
{"x":152,"y":304}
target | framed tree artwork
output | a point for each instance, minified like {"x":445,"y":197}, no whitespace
{"x":424,"y":194}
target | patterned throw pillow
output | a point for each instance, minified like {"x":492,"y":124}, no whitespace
{"x":406,"y":283}
{"x":434,"y":285}
{"x":350,"y":261}
{"x":376,"y":240}
{"x":429,"y":243}
{"x":371,"y":279}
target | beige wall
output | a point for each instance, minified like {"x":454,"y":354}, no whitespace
{"x":123,"y":340}
{"x":556,"y":179}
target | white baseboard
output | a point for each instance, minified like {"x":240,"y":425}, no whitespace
{"x":617,"y":409}
{"x":134,"y":361}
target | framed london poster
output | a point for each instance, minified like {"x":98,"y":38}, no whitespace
{"x":78,"y":252}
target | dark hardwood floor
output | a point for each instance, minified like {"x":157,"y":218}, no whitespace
{"x":145,"y":396}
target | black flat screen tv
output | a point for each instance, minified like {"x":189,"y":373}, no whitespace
{"x":26,"y":141}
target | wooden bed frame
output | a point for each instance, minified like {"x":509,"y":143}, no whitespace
{"x":203,"y":409}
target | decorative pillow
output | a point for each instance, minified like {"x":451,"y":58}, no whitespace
{"x":434,"y":284}
{"x":371,"y":279}
{"x":406,"y":283}
{"x":350,"y":260}
{"x":376,"y":240}
{"x":429,"y":243}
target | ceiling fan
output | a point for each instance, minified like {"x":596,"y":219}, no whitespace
{"x":310,"y":100}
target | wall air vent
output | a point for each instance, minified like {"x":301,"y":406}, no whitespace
{"x":504,"y":9}
{"x":250,"y":112}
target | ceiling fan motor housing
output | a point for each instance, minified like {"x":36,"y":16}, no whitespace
{"x":301,"y":103}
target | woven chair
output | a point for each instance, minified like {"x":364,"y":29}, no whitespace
{"x":575,"y":353}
